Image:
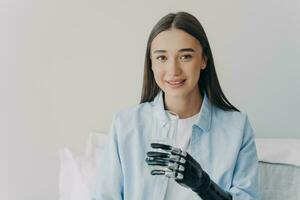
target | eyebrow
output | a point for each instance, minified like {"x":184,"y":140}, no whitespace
{"x":180,"y":50}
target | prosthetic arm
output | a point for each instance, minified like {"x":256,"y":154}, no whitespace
{"x":175,"y":163}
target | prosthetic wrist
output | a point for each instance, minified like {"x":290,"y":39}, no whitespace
{"x":175,"y":163}
{"x":209,"y":190}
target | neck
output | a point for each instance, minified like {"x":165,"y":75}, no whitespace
{"x":186,"y":106}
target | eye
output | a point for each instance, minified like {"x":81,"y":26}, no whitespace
{"x":161,"y":58}
{"x":186,"y":57}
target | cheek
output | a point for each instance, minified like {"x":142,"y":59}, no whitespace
{"x":197,"y":74}
{"x":194,"y":74}
{"x":158,"y":76}
{"x":158,"y":73}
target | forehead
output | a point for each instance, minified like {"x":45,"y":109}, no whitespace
{"x":173,"y":40}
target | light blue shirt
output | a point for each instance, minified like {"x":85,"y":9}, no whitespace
{"x":221,"y":141}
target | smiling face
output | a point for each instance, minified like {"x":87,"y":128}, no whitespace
{"x":177,"y":60}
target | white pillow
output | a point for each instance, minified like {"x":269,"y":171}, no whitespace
{"x":278,"y":150}
{"x":77,"y":172}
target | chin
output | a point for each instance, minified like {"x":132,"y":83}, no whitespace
{"x":180,"y":92}
{"x":176,"y":93}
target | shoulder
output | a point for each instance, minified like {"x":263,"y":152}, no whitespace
{"x":232,"y":117}
{"x":129,"y":113}
{"x":233,"y":124}
{"x":130,"y":125}
{"x":133,"y":116}
{"x":236,"y":129}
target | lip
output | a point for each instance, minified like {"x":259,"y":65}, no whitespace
{"x":176,"y":83}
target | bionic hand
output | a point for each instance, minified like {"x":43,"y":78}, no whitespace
{"x":175,"y":163}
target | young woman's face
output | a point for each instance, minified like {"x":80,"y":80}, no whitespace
{"x":176,"y":62}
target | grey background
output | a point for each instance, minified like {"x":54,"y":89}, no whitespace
{"x":67,"y":66}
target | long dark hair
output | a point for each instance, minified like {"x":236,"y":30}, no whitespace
{"x":208,"y":81}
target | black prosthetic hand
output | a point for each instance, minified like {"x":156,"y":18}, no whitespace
{"x":175,"y":163}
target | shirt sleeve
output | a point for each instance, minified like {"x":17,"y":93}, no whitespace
{"x":245,"y":175}
{"x":109,"y":179}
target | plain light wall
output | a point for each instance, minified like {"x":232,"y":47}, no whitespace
{"x":67,"y":66}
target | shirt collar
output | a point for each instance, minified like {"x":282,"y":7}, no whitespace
{"x":204,"y":118}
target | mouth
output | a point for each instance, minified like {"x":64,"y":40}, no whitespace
{"x":175,"y":83}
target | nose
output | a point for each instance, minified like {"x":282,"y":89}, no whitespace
{"x":173,"y":68}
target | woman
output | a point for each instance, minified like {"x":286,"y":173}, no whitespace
{"x":184,"y":140}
